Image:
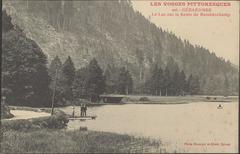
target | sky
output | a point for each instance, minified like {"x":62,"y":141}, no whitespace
{"x":218,"y":34}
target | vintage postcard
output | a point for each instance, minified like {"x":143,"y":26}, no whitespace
{"x":120,"y":76}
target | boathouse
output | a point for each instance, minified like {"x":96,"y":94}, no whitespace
{"x":111,"y":98}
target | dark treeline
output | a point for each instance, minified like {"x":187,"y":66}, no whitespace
{"x":25,"y":80}
{"x":164,"y":83}
{"x":118,"y":80}
{"x":170,"y":81}
{"x":87,"y":82}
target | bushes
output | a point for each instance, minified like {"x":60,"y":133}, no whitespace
{"x":5,"y":112}
{"x":144,"y":99}
{"x":78,"y":102}
{"x":58,"y":121}
{"x":20,"y":124}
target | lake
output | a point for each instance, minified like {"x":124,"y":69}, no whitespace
{"x":193,"y":127}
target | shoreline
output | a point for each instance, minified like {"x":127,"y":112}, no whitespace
{"x":153,"y":100}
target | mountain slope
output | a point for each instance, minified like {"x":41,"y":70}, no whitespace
{"x":115,"y":34}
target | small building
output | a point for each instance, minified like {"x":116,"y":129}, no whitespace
{"x":111,"y":98}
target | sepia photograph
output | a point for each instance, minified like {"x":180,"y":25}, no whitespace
{"x":119,"y":76}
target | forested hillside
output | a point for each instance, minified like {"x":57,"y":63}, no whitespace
{"x":116,"y":35}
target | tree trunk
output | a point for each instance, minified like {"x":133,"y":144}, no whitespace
{"x":140,"y":73}
{"x":70,"y":23}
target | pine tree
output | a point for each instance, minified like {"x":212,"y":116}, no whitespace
{"x":154,"y":80}
{"x":111,"y":75}
{"x":109,"y":83}
{"x":189,"y":84}
{"x":57,"y":81}
{"x":79,"y":86}
{"x":55,"y":65}
{"x":125,"y":82}
{"x":89,"y":82}
{"x":166,"y":81}
{"x":129,"y":83}
{"x":95,"y":83}
{"x":175,"y":83}
{"x":182,"y":83}
{"x":68,"y":71}
{"x":172,"y":66}
{"x":226,"y":86}
{"x":160,"y":80}
{"x":193,"y":84}
{"x":140,"y":59}
{"x":121,"y":85}
{"x":24,"y":70}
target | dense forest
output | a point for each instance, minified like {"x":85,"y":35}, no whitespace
{"x":25,"y":80}
{"x":122,"y":40}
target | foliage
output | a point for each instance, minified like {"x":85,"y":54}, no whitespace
{"x":57,"y":79}
{"x":5,"y":111}
{"x":68,"y":72}
{"x":175,"y":83}
{"x":7,"y":24}
{"x":125,"y":82}
{"x":24,"y":70}
{"x":79,"y":84}
{"x":89,"y":82}
{"x":193,"y":84}
{"x":58,"y":121}
{"x":144,"y":99}
{"x":111,"y":75}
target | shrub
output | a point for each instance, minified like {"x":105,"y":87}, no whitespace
{"x":208,"y":98}
{"x":5,"y":112}
{"x":143,"y":99}
{"x":125,"y":99}
{"x":58,"y":121}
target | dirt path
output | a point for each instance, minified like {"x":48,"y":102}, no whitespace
{"x":21,"y":114}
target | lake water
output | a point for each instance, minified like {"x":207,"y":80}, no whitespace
{"x":193,"y":127}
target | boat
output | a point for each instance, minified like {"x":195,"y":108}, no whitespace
{"x":220,"y":106}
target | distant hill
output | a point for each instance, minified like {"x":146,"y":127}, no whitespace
{"x":117,"y":35}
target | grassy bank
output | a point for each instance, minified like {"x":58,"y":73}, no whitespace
{"x":61,"y":141}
